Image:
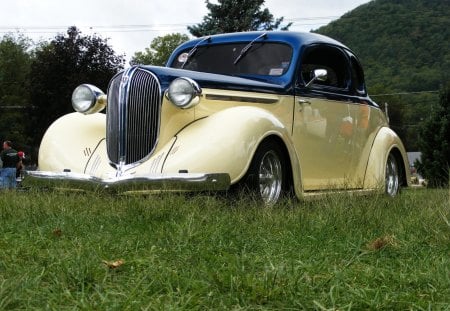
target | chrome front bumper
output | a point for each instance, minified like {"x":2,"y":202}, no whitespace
{"x":128,"y":183}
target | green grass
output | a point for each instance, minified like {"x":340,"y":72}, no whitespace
{"x":202,"y":252}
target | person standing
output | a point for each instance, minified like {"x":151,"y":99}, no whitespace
{"x":20,"y":165}
{"x":10,"y":160}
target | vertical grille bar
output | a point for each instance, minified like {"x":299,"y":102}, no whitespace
{"x":112,"y":119}
{"x":140,"y":109}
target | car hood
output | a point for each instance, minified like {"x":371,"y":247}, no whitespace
{"x":215,"y":81}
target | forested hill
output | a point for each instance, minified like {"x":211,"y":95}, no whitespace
{"x":404,"y":45}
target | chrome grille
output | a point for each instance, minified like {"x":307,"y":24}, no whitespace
{"x":132,"y":116}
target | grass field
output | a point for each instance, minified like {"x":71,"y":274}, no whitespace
{"x":62,"y":251}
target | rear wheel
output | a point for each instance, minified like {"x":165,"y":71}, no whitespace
{"x":392,"y":184}
{"x":266,"y":177}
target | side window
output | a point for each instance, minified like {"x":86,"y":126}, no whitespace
{"x":326,"y":57}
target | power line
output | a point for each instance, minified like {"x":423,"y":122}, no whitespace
{"x":404,"y":93}
{"x":297,"y":21}
{"x":16,"y":107}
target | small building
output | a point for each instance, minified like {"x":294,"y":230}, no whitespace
{"x":413,"y":156}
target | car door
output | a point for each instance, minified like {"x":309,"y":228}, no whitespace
{"x":324,"y":119}
{"x":368,"y":119}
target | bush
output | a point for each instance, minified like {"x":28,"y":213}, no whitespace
{"x":434,"y":143}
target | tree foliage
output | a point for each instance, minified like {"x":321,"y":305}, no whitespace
{"x":60,"y":66}
{"x":402,"y":44}
{"x":234,"y":15}
{"x":434,"y":143}
{"x":159,"y":51}
{"x":14,"y":82}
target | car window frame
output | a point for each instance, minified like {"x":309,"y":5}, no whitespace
{"x":314,"y":87}
{"x":357,"y":69}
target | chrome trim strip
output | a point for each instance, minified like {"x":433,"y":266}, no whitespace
{"x":125,"y":183}
{"x":124,"y":90}
{"x":241,"y":99}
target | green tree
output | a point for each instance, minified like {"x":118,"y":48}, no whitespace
{"x":434,"y":143}
{"x":60,"y":66}
{"x":402,"y":44}
{"x":234,"y":15}
{"x":14,"y":84}
{"x":159,"y":51}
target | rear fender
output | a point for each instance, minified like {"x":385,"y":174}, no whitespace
{"x":385,"y":142}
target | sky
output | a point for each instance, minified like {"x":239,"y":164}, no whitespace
{"x":131,"y":25}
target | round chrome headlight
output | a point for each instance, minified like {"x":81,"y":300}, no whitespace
{"x":184,"y":92}
{"x":88,"y":99}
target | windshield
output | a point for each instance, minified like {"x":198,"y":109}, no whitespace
{"x":263,"y":58}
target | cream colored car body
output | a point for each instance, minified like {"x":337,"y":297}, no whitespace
{"x":330,"y":140}
{"x":190,"y":140}
{"x":198,"y":141}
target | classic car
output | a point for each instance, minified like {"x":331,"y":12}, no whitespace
{"x":271,"y":112}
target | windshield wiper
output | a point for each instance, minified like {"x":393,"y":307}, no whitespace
{"x":194,"y":49}
{"x":248,"y":47}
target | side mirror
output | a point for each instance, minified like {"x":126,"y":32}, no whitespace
{"x":318,"y":75}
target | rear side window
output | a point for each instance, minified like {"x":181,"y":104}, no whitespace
{"x":326,"y":57}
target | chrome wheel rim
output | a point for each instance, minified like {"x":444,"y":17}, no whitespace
{"x":270,"y":178}
{"x":391,"y":176}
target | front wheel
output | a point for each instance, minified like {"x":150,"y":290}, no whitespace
{"x":266,"y":177}
{"x":392,"y":185}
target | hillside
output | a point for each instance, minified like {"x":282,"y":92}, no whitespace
{"x":403,"y":44}
{"x":404,"y":48}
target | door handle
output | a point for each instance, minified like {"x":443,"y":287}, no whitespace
{"x":304,"y":101}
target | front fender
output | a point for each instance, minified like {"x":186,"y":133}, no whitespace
{"x":70,"y":141}
{"x":385,"y":142}
{"x":224,"y":142}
